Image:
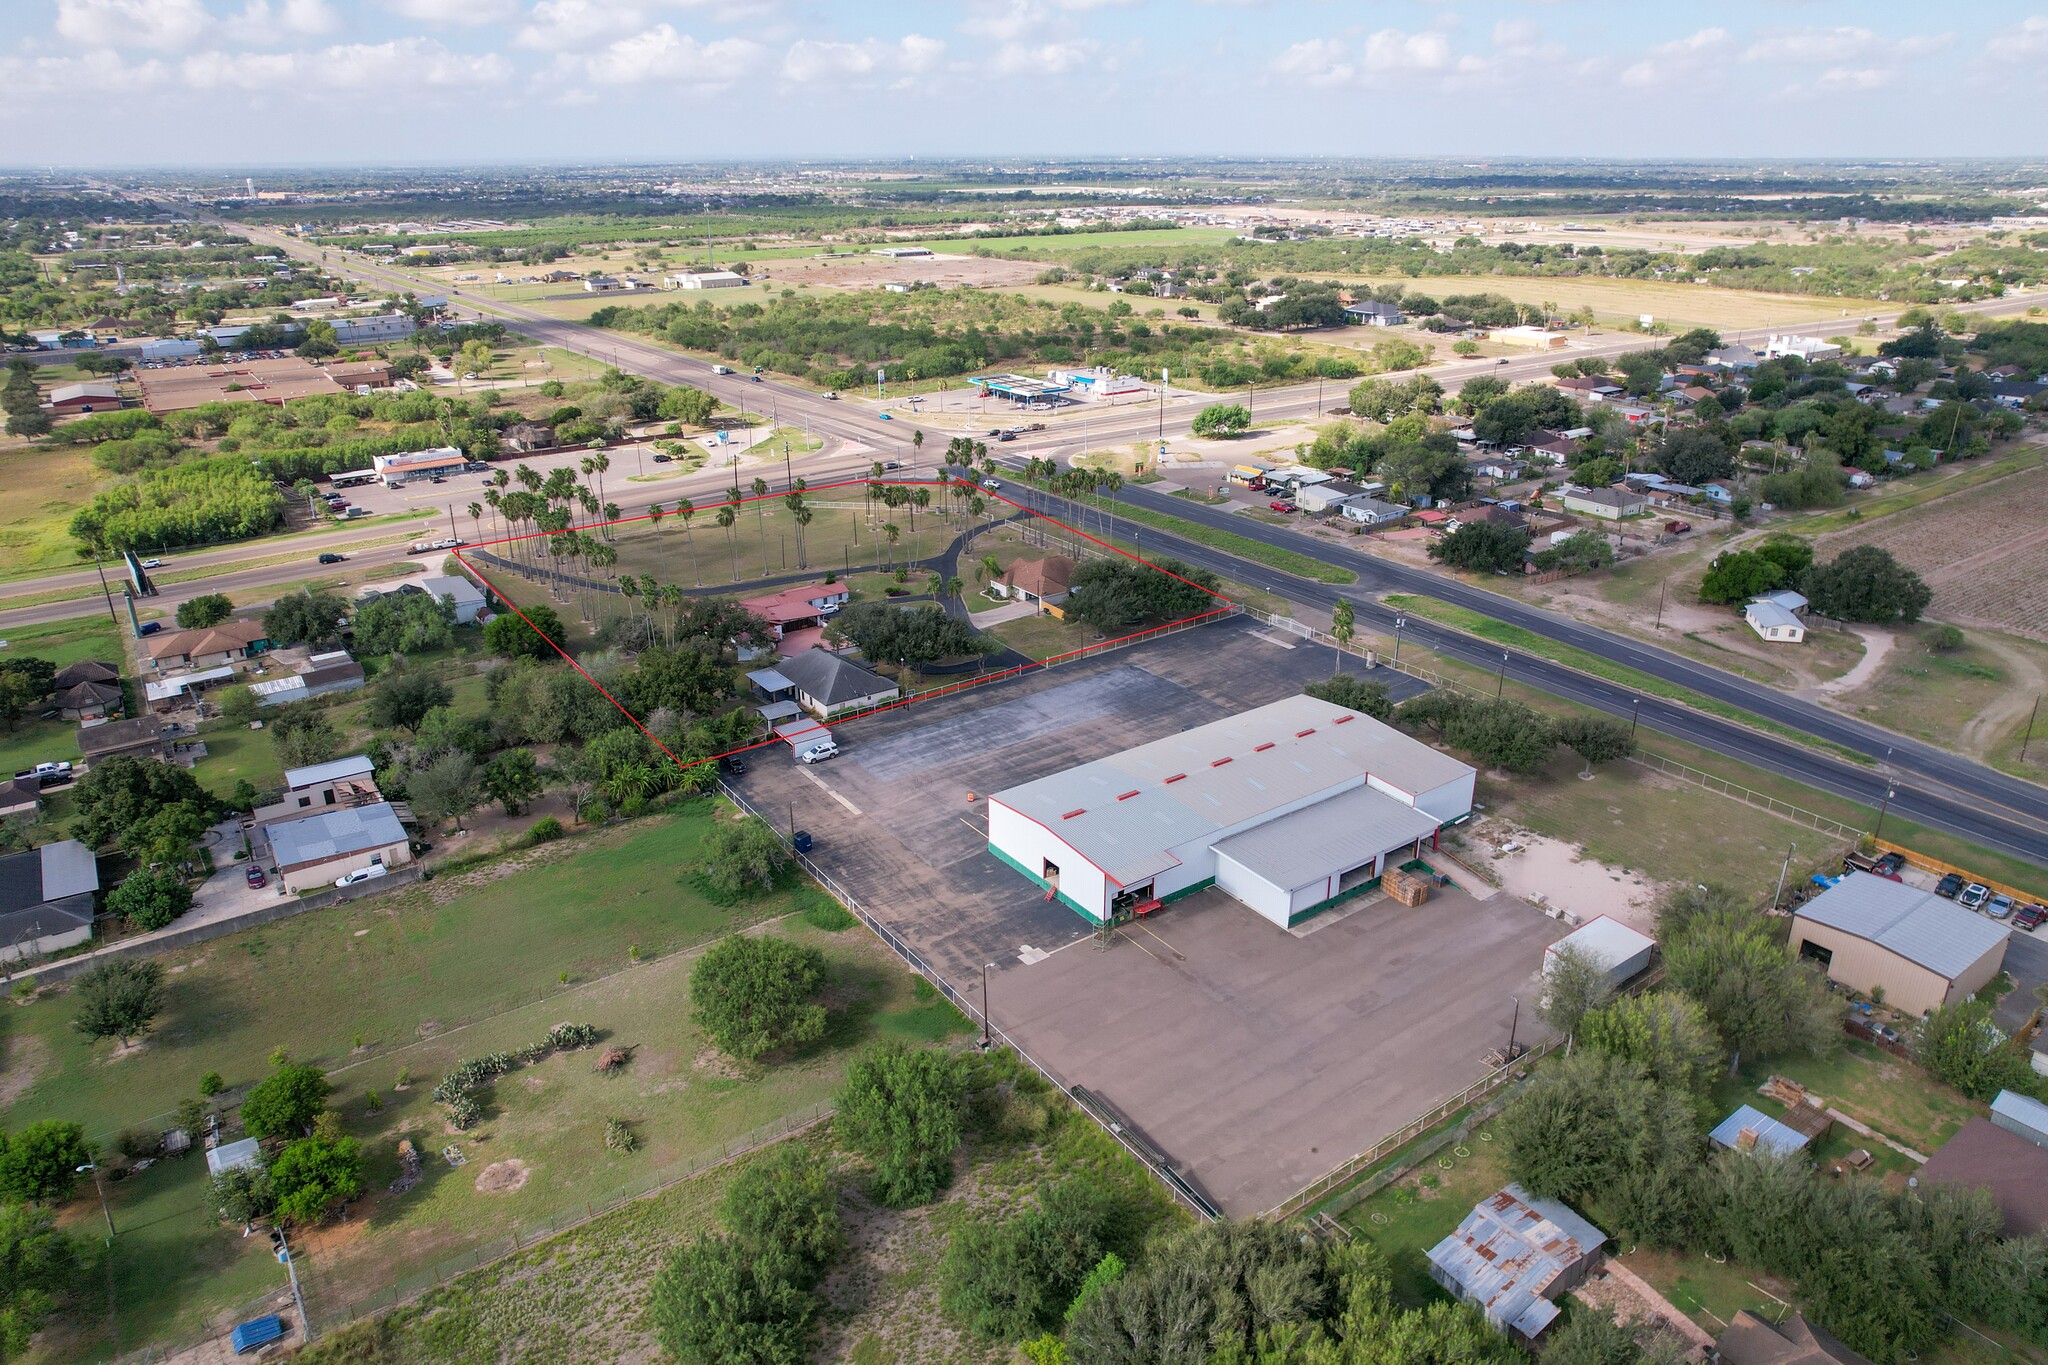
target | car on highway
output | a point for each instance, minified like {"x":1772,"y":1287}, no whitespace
{"x":254,"y":876}
{"x":1950,"y":886}
{"x":993,"y":483}
{"x":1502,"y":361}
{"x":892,"y":464}
{"x":1974,"y":895}
{"x":1276,"y":505}
{"x":759,"y":380}
{"x":832,"y":395}
{"x":152,"y":563}
{"x":1999,"y":906}
{"x":362,"y":874}
{"x":885,"y":417}
{"x":1006,"y":436}
{"x":721,"y":369}
{"x":331,"y":558}
{"x":2030,"y":917}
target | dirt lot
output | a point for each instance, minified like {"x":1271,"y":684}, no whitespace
{"x":1984,"y":551}
{"x":1255,"y":1058}
{"x":848,"y":271}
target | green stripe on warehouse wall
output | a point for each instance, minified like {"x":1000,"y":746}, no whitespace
{"x":1043,"y":884}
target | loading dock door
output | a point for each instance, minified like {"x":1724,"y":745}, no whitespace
{"x":1358,"y":876}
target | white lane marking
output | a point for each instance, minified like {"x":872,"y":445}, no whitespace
{"x":820,"y":783}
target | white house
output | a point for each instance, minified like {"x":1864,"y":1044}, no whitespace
{"x":1775,"y":617}
{"x":1808,"y":349}
{"x":468,"y":598}
{"x":1371,"y":511}
{"x":704,"y":279}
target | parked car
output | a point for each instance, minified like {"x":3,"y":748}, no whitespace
{"x":1950,"y":886}
{"x":47,"y":774}
{"x":332,"y":558}
{"x":1279,"y":506}
{"x":819,"y":754}
{"x":254,"y":876}
{"x":1974,"y":895}
{"x":1886,"y":1032}
{"x":1890,"y":865}
{"x":664,"y":459}
{"x":2029,"y":917}
{"x":150,"y":627}
{"x":733,"y":764}
{"x":1999,"y":907}
{"x":362,"y":874}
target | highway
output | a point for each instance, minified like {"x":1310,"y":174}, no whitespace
{"x":1935,"y":787}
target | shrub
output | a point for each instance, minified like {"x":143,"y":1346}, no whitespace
{"x":619,"y":1137}
{"x":784,"y":1204}
{"x":753,"y":995}
{"x":1007,"y":1279}
{"x":149,"y":900}
{"x":286,"y":1102}
{"x":545,"y":830}
{"x":718,"y":1303}
{"x":901,"y":1108}
{"x":570,"y":1037}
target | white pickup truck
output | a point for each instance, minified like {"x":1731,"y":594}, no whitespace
{"x":47,"y":774}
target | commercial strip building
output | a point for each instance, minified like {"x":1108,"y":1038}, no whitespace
{"x":398,"y":470}
{"x":46,"y":898}
{"x":1923,"y":951}
{"x":1289,"y":807}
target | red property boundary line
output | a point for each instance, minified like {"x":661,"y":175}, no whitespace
{"x":1225,"y":606}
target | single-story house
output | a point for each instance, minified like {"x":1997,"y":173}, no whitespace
{"x":1513,"y":1255}
{"x":2012,"y":1170}
{"x":1751,"y":1340}
{"x":168,"y":694}
{"x":347,"y":790}
{"x":523,"y":437}
{"x":1328,"y":497}
{"x":21,"y":798}
{"x":1871,"y":933}
{"x":468,"y":597}
{"x":84,"y":671}
{"x":46,"y":898}
{"x":334,"y":671}
{"x":1774,"y":622}
{"x":96,"y":395}
{"x":1372,"y":313}
{"x":1372,"y":512}
{"x":313,"y":850}
{"x":1552,"y":446}
{"x":89,"y":700}
{"x":142,"y":736}
{"x":802,"y":607}
{"x":1733,"y":358}
{"x":1610,"y":504}
{"x":1591,"y":388}
{"x":1045,"y":582}
{"x":1718,"y":491}
{"x":829,"y":684}
{"x":1497,"y":467}
{"x":206,"y":647}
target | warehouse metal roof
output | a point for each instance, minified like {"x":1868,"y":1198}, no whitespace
{"x":333,"y":834}
{"x":1918,"y":925}
{"x":1327,"y":838}
{"x":1125,"y":812}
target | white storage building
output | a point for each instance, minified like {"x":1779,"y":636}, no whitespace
{"x":1620,"y":950}
{"x":1289,"y":808}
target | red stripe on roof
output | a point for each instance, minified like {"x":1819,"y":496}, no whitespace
{"x":1262,"y":748}
{"x":1072,"y":813}
{"x":1219,"y":762}
{"x":1342,"y":719}
{"x":1302,"y":734}
{"x":1128,"y":795}
{"x":1176,"y":777}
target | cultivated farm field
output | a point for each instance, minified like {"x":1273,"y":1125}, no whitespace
{"x":1984,"y":551}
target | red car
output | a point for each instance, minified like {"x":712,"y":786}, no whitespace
{"x":2029,"y":918}
{"x":1279,"y":506}
{"x":254,"y":874}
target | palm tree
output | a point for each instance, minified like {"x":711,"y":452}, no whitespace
{"x":476,"y":517}
{"x":802,"y":517}
{"x":492,"y":498}
{"x":725,"y":518}
{"x":761,"y":519}
{"x":989,"y":569}
{"x":916,"y":446}
{"x":893,"y":533}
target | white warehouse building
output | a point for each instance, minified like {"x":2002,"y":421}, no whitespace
{"x":1289,"y":808}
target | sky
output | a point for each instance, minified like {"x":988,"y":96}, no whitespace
{"x":250,"y":83}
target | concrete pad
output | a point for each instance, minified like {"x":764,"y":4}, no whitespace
{"x":1258,"y":1061}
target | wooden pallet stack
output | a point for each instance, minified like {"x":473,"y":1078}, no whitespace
{"x":1405,"y":886}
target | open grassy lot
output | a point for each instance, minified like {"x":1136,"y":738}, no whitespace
{"x":1889,"y":1093}
{"x":45,"y":486}
{"x":1710,"y":1292}
{"x":1414,"y":1213}
{"x":1677,"y":306}
{"x":1963,"y":699}
{"x":471,"y":963}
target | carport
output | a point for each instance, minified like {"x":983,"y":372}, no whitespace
{"x":803,"y":735}
{"x":1300,"y":864}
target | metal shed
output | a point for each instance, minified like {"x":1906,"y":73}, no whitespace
{"x":1621,"y":950}
{"x":1751,"y":1129}
{"x":2022,"y":1116}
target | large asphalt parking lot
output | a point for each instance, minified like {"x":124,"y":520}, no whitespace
{"x":1254,"y":1057}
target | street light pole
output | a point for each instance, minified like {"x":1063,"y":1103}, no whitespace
{"x":1635,"y":716}
{"x":1891,"y":789}
{"x":94,"y":1167}
{"x":1780,"y":897}
{"x":985,"y":1039}
{"x":2025,"y":739}
{"x":1400,"y":623}
{"x":1500,"y":683}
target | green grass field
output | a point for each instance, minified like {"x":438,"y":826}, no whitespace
{"x":470,"y":963}
{"x":1244,"y":547}
{"x":1413,"y":1214}
{"x":44,"y":488}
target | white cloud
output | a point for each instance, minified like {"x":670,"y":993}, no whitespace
{"x":1843,"y":43}
{"x":263,"y":22}
{"x":811,"y":60}
{"x":1390,"y":49}
{"x":1003,"y":21}
{"x":661,"y":53}
{"x":2025,"y":42}
{"x":24,"y":79}
{"x":1847,"y":80}
{"x":1043,"y":59}
{"x":163,"y":25}
{"x":466,"y":13}
{"x":1515,"y":33}
{"x":415,"y":62}
{"x":1316,"y":62}
{"x":1689,"y":58}
{"x":557,"y":24}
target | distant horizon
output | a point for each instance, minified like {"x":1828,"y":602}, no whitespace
{"x":198,"y":84}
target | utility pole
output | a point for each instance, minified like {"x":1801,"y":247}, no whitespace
{"x":985,"y":1040}
{"x":1891,"y":789}
{"x":109,"y":595}
{"x":1780,"y":897}
{"x":94,"y":1167}
{"x":1660,"y":605}
{"x":1635,"y":717}
{"x":2025,"y":739}
{"x":1400,"y":623}
{"x":1500,"y":683}
{"x":284,"y":1253}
